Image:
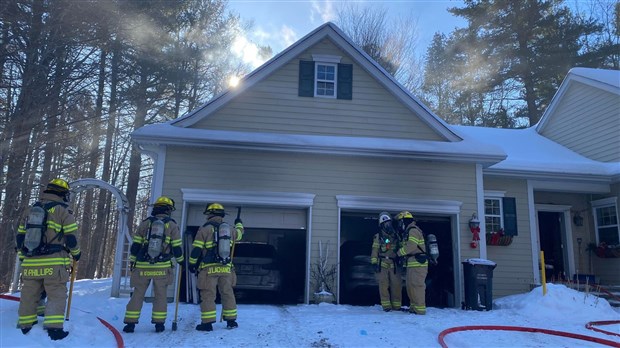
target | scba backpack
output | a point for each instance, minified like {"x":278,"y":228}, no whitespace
{"x":36,"y":225}
{"x":156,"y":238}
{"x":222,"y":235}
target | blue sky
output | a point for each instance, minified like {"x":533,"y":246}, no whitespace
{"x":279,"y":23}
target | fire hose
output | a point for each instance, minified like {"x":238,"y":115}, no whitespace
{"x":445,"y":332}
{"x":591,"y":325}
{"x":117,"y":335}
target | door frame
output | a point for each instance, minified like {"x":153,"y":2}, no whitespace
{"x":566,"y":235}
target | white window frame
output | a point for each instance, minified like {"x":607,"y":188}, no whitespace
{"x":318,"y":80}
{"x":329,"y":61}
{"x":605,"y":203}
{"x":494,"y":195}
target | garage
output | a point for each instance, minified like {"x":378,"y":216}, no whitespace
{"x":270,"y":261}
{"x":357,"y":280}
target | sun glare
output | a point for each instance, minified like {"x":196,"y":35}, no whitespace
{"x":233,"y":81}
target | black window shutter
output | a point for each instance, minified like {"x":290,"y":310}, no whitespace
{"x":306,"y":78}
{"x":345,"y":81}
{"x":510,"y":216}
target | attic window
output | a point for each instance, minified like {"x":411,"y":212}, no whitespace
{"x":325,"y":80}
{"x":325,"y":77}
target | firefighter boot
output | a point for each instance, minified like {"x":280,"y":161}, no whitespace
{"x":204,"y":327}
{"x":159,"y":327}
{"x":231,"y":324}
{"x":26,"y":330}
{"x":129,"y":328}
{"x":57,"y":334}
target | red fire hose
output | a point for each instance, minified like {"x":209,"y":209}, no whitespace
{"x":591,"y":324}
{"x":445,"y":332}
{"x":117,"y":335}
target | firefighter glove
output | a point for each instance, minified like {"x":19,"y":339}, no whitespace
{"x":192,"y":267}
{"x":77,"y":256}
{"x":132,"y":266}
{"x":377,"y":267}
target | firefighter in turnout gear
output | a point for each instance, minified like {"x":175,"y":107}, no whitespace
{"x":45,"y":240}
{"x":211,"y":258}
{"x":156,"y":242}
{"x":413,"y":250}
{"x":383,"y":257}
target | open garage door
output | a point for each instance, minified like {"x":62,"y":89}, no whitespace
{"x":270,"y":261}
{"x":357,"y":277}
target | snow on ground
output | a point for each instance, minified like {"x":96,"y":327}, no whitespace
{"x":325,"y":325}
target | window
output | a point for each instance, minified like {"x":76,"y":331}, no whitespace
{"x":325,"y":77}
{"x":325,"y":81}
{"x":500,"y":213}
{"x":606,"y":221}
{"x":493,"y":214}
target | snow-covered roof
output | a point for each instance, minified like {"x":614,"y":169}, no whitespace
{"x":529,"y":153}
{"x":470,"y":150}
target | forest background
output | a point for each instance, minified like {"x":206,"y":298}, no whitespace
{"x":77,"y":77}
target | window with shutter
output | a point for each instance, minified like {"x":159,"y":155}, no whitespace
{"x":324,"y":77}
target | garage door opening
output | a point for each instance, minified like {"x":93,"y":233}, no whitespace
{"x":269,"y":263}
{"x":270,"y":266}
{"x":357,"y":277}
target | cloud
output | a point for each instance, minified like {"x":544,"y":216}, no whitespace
{"x":324,"y":10}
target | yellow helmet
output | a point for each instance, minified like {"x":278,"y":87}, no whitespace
{"x":404,"y":215}
{"x":164,"y":201}
{"x":215,"y":209}
{"x":58,"y":185}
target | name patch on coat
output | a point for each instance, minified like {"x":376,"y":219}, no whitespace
{"x":161,"y":273}
{"x":38,"y":272}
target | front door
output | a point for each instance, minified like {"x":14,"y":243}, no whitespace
{"x":552,"y":244}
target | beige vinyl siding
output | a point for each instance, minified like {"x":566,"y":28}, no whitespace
{"x":587,"y":122}
{"x":273,"y":106}
{"x":514,"y":271}
{"x":325,"y":176}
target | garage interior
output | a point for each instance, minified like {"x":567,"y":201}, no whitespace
{"x":285,"y":230}
{"x":356,"y":234}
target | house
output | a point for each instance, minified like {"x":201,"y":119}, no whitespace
{"x":319,"y":140}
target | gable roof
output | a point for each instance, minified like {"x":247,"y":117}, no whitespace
{"x":331,"y":31}
{"x":607,"y":80}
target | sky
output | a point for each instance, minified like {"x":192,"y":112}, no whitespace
{"x":328,"y":325}
{"x":279,"y":23}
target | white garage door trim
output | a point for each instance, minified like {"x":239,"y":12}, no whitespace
{"x":273,"y":199}
{"x":370,"y":203}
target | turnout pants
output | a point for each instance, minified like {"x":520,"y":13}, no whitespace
{"x":416,"y":289}
{"x":160,"y":303}
{"x":209,"y":283}
{"x":390,"y":287}
{"x":55,"y":284}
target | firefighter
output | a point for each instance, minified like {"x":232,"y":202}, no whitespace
{"x":211,"y":259}
{"x":413,"y":251}
{"x":45,"y":246}
{"x":156,"y":242}
{"x":383,"y":257}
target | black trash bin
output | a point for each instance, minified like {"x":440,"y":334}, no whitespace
{"x":478,"y":274}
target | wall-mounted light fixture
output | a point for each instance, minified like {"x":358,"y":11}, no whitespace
{"x":474,"y":226}
{"x":578,"y":219}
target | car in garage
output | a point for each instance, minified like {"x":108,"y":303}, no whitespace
{"x":257,"y":267}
